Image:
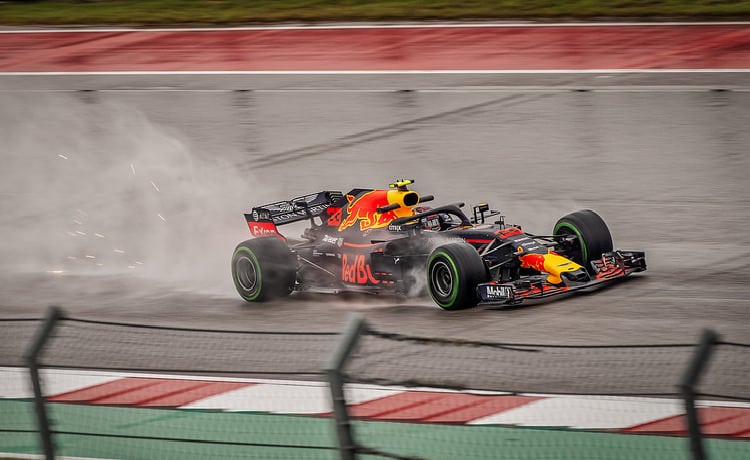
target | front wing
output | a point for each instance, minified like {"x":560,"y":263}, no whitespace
{"x":612,"y":266}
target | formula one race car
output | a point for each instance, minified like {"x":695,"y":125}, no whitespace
{"x":387,"y":241}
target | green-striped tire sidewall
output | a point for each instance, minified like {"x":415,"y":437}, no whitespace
{"x":259,"y":274}
{"x":454,"y":294}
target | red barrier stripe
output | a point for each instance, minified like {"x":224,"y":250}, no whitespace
{"x":482,"y":406}
{"x":105,"y":390}
{"x":183,"y":398}
{"x":142,"y":395}
{"x":736,"y":422}
{"x":150,"y":392}
{"x":436,"y":407}
{"x":382,"y":408}
{"x":715,"y":421}
{"x":444,"y":403}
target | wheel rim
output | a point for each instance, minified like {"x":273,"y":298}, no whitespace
{"x":441,"y":278}
{"x":247,"y":275}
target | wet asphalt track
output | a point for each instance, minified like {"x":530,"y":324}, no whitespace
{"x":662,"y":157}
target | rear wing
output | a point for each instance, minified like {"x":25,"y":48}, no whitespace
{"x":296,"y":209}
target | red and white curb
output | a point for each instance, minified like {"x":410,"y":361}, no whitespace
{"x":423,"y":405}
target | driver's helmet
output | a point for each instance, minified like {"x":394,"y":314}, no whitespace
{"x":435,"y":222}
{"x":445,"y":221}
{"x":438,"y":222}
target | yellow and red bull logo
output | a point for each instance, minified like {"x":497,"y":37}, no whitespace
{"x":364,"y":208}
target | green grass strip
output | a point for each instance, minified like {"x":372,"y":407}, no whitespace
{"x":130,"y":432}
{"x":233,"y":12}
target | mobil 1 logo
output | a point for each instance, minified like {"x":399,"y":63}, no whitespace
{"x":496,"y":292}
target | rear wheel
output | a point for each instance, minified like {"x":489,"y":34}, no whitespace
{"x":263,"y":269}
{"x":593,"y":236}
{"x":453,"y":272}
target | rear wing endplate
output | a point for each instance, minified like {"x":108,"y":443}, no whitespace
{"x":296,"y":209}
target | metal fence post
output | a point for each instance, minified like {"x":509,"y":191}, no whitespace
{"x":31,"y":358}
{"x":687,"y":387}
{"x":349,"y":338}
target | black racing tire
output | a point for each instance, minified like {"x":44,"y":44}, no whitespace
{"x":594,"y":237}
{"x":263,"y":269}
{"x":453,"y":272}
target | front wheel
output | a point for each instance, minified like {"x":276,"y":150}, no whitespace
{"x":263,"y":269}
{"x":592,"y":236}
{"x":453,"y":272}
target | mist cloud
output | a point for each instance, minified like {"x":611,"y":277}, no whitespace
{"x":98,"y":188}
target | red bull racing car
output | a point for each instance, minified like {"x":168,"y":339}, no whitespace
{"x":389,"y":241}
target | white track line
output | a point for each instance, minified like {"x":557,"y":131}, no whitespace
{"x":379,"y":26}
{"x":489,"y":89}
{"x":374,"y":72}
